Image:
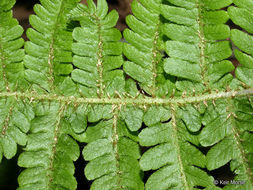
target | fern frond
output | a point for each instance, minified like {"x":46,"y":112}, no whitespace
{"x":242,"y":16}
{"x":98,"y":52}
{"x":174,"y":155}
{"x":112,"y":153}
{"x":50,"y":151}
{"x":197,"y":47}
{"x":48,"y":53}
{"x":15,"y":115}
{"x":11,"y":54}
{"x":144,"y":48}
{"x":228,"y":126}
{"x":175,"y":95}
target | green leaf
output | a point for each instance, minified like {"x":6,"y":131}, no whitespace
{"x":156,"y":115}
{"x":98,"y":58}
{"x":217,"y":4}
{"x":245,"y":75}
{"x":196,"y":41}
{"x":243,"y":41}
{"x":244,"y":4}
{"x":189,"y":4}
{"x":242,"y":16}
{"x":232,"y":137}
{"x":216,"y":17}
{"x":5,"y":5}
{"x":157,"y":134}
{"x":191,"y":116}
{"x":244,"y":59}
{"x":97,"y":112}
{"x":114,"y":163}
{"x":15,"y":120}
{"x":183,"y":69}
{"x":102,"y":8}
{"x":168,"y":157}
{"x":49,"y":153}
{"x":133,"y":118}
{"x":160,"y":109}
{"x":143,"y":48}
{"x":77,"y":118}
{"x":224,"y":149}
{"x":11,"y":54}
{"x":215,"y":120}
{"x":48,"y":53}
{"x":157,"y":157}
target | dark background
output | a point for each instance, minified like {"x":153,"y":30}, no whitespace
{"x":9,"y":170}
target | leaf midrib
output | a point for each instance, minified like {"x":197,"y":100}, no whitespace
{"x":6,"y":121}
{"x":2,"y":57}
{"x":176,"y":143}
{"x":154,"y":60}
{"x":143,"y":100}
{"x":51,"y":48}
{"x":202,"y":45}
{"x":100,"y":69}
{"x":115,"y":140}
{"x":54,"y":144}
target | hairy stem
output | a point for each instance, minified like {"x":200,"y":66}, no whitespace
{"x":100,"y":90}
{"x":54,"y":144}
{"x":3,"y":67}
{"x":176,"y":143}
{"x":128,"y":101}
{"x":202,"y":44}
{"x":51,"y":49}
{"x":115,"y":139}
